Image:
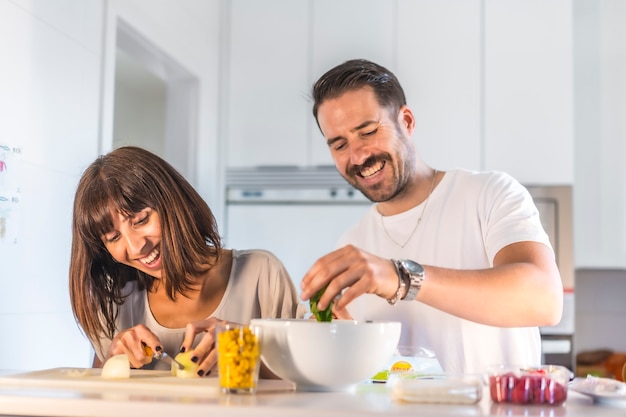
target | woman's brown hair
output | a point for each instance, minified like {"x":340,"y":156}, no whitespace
{"x":130,"y":179}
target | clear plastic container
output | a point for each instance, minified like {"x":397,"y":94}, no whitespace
{"x":238,"y":358}
{"x":544,"y":385}
{"x":442,"y":389}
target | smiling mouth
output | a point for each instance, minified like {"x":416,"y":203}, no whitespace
{"x":372,"y":169}
{"x":152,"y":257}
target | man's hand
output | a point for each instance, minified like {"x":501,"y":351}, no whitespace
{"x":349,"y":272}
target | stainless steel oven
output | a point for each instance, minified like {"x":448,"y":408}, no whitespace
{"x":554,"y":203}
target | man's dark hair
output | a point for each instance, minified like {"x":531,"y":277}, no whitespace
{"x":354,"y":75}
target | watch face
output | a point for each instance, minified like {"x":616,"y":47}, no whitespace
{"x":416,"y":276}
{"x":413,"y":267}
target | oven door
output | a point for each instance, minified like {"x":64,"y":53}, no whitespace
{"x":297,"y":233}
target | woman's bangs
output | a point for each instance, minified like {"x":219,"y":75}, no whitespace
{"x":96,"y":220}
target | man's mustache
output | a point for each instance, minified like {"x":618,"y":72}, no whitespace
{"x":355,"y":170}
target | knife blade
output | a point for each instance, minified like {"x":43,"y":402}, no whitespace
{"x":164,"y":357}
{"x":161,"y":356}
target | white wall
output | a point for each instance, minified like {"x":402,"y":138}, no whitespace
{"x":600,"y":133}
{"x":49,"y":102}
{"x":56,"y":84}
{"x":188,"y":31}
{"x":140,"y":108}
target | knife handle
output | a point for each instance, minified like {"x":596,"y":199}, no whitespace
{"x":148,"y":351}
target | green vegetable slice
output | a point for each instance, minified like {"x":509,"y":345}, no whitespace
{"x":321,"y":315}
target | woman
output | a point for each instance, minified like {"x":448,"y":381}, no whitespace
{"x":148,"y":267}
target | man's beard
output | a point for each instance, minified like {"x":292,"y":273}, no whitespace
{"x":377,"y":193}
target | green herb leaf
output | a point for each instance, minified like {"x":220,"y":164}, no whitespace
{"x":321,"y":315}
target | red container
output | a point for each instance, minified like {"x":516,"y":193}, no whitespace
{"x":543,"y":385}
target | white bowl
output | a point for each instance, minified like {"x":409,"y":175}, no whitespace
{"x":326,"y":356}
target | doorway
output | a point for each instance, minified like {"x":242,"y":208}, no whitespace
{"x":155,"y":101}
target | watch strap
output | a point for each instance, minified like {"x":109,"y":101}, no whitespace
{"x":401,"y":292}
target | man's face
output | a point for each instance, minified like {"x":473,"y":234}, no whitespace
{"x":371,"y":147}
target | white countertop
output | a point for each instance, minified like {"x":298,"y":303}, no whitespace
{"x":365,"y":400}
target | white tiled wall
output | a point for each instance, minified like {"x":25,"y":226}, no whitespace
{"x":600,"y":310}
{"x":42,"y":340}
{"x":49,"y":103}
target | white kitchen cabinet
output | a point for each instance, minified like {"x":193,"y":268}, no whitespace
{"x":343,"y":30}
{"x":490,"y":82}
{"x":439,"y":66}
{"x":528,"y":96}
{"x":267,"y":110}
{"x":278,"y":48}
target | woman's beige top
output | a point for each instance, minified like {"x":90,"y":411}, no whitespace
{"x":259,"y":287}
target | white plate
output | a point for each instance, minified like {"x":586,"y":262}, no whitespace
{"x":602,"y":390}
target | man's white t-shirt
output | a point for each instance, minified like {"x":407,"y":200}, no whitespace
{"x":468,"y":218}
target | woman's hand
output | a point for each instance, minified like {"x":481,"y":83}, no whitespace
{"x":204,"y":354}
{"x":132,"y":342}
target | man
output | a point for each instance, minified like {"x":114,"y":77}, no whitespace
{"x":460,"y":257}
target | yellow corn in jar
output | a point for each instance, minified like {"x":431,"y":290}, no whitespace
{"x":238,"y":358}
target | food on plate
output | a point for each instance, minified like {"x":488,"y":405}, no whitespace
{"x":545,"y":385}
{"x":116,"y":367}
{"x":400,"y":366}
{"x":190,"y":368}
{"x":320,"y":315}
{"x":606,"y":391}
{"x":410,"y":361}
{"x":381,"y":376}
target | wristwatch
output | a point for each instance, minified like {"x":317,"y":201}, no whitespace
{"x":413,"y":275}
{"x":402,"y":282}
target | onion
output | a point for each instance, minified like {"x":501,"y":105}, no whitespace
{"x":116,"y":367}
{"x":190,"y":368}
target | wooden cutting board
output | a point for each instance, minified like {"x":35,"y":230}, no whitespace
{"x":140,"y":381}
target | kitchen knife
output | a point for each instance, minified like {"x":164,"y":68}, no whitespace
{"x":161,"y":356}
